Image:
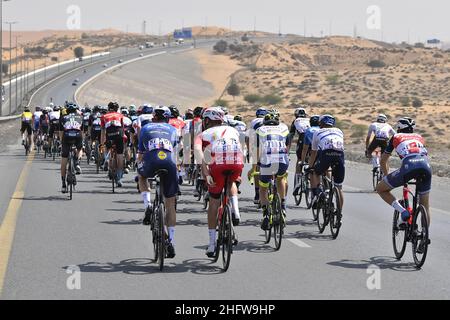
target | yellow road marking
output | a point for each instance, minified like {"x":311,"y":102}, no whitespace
{"x":8,"y":226}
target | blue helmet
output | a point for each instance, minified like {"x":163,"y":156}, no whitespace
{"x":327,"y":120}
{"x":261,"y":112}
{"x":162,"y":112}
{"x":147,"y":109}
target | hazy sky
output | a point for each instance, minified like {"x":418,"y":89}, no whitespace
{"x":424,"y":19}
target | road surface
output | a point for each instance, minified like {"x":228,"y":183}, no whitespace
{"x":43,"y":235}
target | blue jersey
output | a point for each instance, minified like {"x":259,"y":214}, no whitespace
{"x":157,"y":136}
{"x":309,"y":135}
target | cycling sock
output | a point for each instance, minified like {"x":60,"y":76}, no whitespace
{"x":146,"y":198}
{"x":397,"y":206}
{"x":171,"y":234}
{"x":375,"y":162}
{"x":212,"y":237}
{"x":235,"y":206}
{"x":283,"y":204}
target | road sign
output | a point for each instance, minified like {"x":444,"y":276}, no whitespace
{"x":185,"y":33}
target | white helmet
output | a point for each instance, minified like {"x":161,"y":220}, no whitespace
{"x":381,"y":118}
{"x":300,"y":112}
{"x":405,"y":123}
{"x":214,"y":114}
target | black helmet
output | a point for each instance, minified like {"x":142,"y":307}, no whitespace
{"x":272,"y":118}
{"x":198,"y":111}
{"x":71,"y":107}
{"x":314,"y":121}
{"x":26,"y":109}
{"x":96,"y":109}
{"x":238,"y":117}
{"x":174,"y":111}
{"x":113,"y":106}
{"x":406,"y":125}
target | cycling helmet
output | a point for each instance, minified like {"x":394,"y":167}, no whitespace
{"x":125,"y":112}
{"x":26,"y":109}
{"x":261,"y":112}
{"x":51,"y":105}
{"x":198,"y":111}
{"x":56,"y":108}
{"x":38,"y":108}
{"x":327,"y":120}
{"x":45,"y":111}
{"x":71,"y":107}
{"x":272,"y":118}
{"x":300,"y":113}
{"x":113,"y":106}
{"x":381,"y":118}
{"x":162,"y":113}
{"x":224,"y":109}
{"x":314,"y":121}
{"x":88,"y":110}
{"x":104,"y":110}
{"x":238,"y":118}
{"x":174,"y":111}
{"x":406,"y":125}
{"x":146,"y":109}
{"x":214,"y":114}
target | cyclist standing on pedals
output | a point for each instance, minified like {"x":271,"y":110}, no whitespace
{"x":71,"y":133}
{"x":27,"y":123}
{"x":273,"y":142}
{"x":299,"y":126}
{"x":327,"y":150}
{"x":113,"y":134}
{"x":250,"y":141}
{"x":220,"y":153}
{"x":307,"y":141}
{"x":410,"y":147}
{"x":382,"y":132}
{"x":157,"y":143}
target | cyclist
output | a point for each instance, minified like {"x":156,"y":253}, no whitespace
{"x":195,"y":130}
{"x":128,"y":128}
{"x":156,"y":151}
{"x":273,"y":141}
{"x":27,"y":119}
{"x":250,"y":141}
{"x":381,"y":132}
{"x":220,"y":153}
{"x":241,"y":127}
{"x":327,"y":150}
{"x":299,"y":126}
{"x":314,"y":126}
{"x":113,"y":134}
{"x":145,"y":117}
{"x":177,"y":122}
{"x":71,"y":133}
{"x":54,"y":125}
{"x":36,"y":119}
{"x":44,"y":124}
{"x":95,"y":128}
{"x":410,"y":147}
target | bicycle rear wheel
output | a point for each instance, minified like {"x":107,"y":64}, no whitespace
{"x":161,"y":236}
{"x":278,"y":226}
{"x":420,"y":236}
{"x":307,"y":191}
{"x":375,"y":180}
{"x":322,"y":213}
{"x":227,"y":238}
{"x":299,"y":184}
{"x":335,"y":213}
{"x":398,"y":236}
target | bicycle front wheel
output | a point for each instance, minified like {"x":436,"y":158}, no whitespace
{"x":161,"y":236}
{"x":307,"y":191}
{"x":420,"y":236}
{"x":322,"y":213}
{"x":227,"y":238}
{"x":335,"y":212}
{"x":299,"y":185}
{"x":398,"y":236}
{"x":278,"y":223}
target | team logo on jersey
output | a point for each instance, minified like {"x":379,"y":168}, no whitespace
{"x":162,"y":155}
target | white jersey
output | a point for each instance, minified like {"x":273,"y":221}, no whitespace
{"x":240,"y":126}
{"x":222,"y":143}
{"x":127,"y":122}
{"x":328,"y":139}
{"x":37,"y":115}
{"x":301,"y":125}
{"x":272,"y":144}
{"x":381,"y":130}
{"x":54,"y":115}
{"x":144,"y":118}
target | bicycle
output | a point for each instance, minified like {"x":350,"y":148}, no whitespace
{"x":27,"y":146}
{"x":96,"y":153}
{"x":225,"y":230}
{"x":416,"y":230}
{"x":304,"y":187}
{"x":56,"y":146}
{"x":87,"y":148}
{"x":71,"y":174}
{"x":112,"y":167}
{"x":377,"y":175}
{"x":328,"y":206}
{"x":159,"y":237}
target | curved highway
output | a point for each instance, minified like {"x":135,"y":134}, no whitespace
{"x":44,"y":238}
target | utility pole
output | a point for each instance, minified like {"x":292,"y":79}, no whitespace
{"x":10,"y":63}
{"x":17,"y":67}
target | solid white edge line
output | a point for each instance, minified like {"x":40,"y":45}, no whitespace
{"x":299,"y":243}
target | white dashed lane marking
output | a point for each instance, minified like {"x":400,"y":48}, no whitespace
{"x":299,"y":243}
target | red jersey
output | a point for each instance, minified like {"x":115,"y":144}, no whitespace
{"x":177,"y":124}
{"x":112,"y":120}
{"x":406,"y":144}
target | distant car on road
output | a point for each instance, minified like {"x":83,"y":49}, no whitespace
{"x":141,"y":47}
{"x":149,"y":44}
{"x":164,"y":44}
{"x":105,"y":65}
{"x":74,"y":83}
{"x":120,"y":61}
{"x":141,"y":55}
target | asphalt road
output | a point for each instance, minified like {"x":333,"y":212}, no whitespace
{"x":101,"y":234}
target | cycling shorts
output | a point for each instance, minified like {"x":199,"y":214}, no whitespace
{"x":218,"y":171}
{"x":301,"y":140}
{"x":96,"y":135}
{"x":71,"y":138}
{"x":381,"y":143}
{"x":26,"y":127}
{"x":413,"y":167}
{"x":115,"y":138}
{"x":268,"y":171}
{"x":156,"y":160}
{"x":44,"y":130}
{"x":53,"y":128}
{"x":333,"y":159}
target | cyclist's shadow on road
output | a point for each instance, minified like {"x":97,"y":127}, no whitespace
{"x":145,"y":266}
{"x":380,"y":261}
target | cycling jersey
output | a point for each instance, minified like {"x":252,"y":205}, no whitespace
{"x":406,"y":144}
{"x":44,"y":122}
{"x":309,"y":135}
{"x":95,"y":123}
{"x":300,"y":125}
{"x":381,"y":130}
{"x":143,"y":119}
{"x":240,"y":126}
{"x":328,"y":139}
{"x":36,"y":116}
{"x":54,"y":117}
{"x":112,"y":121}
{"x":157,"y":142}
{"x":223,"y":154}
{"x":72,"y":125}
{"x":178,"y":124}
{"x":27,"y":117}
